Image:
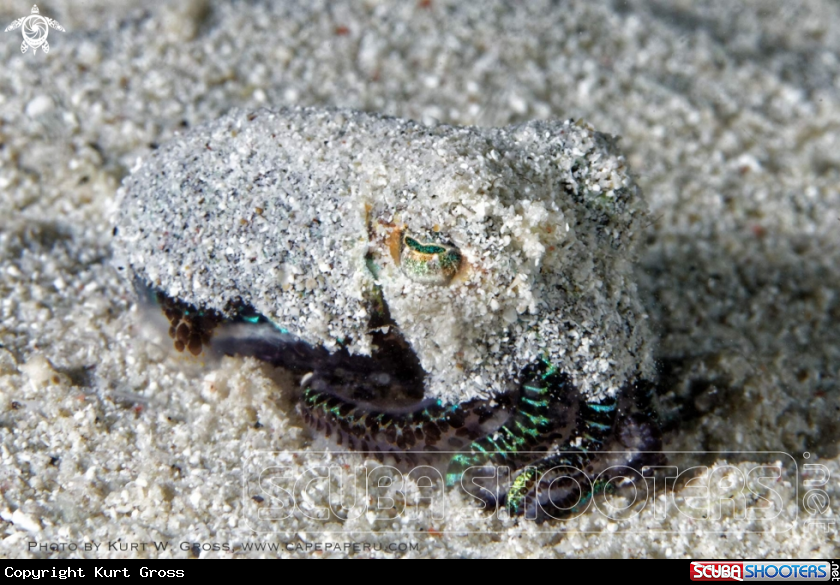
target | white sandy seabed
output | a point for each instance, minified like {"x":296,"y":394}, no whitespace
{"x":728,"y":115}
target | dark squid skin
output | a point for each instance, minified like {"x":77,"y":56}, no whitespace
{"x":549,"y":443}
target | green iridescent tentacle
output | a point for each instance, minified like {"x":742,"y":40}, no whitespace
{"x":529,"y":427}
{"x":597,"y":422}
{"x":427,"y":427}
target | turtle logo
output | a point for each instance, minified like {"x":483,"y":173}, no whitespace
{"x":35,"y":28}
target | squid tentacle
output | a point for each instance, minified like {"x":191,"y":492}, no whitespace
{"x":425,"y":427}
{"x":512,"y":431}
{"x":530,"y":427}
{"x":531,"y":485}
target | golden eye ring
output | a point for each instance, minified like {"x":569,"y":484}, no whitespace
{"x":428,"y":262}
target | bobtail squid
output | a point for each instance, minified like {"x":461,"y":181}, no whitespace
{"x":448,"y":289}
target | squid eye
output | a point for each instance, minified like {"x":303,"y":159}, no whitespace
{"x":430,"y":263}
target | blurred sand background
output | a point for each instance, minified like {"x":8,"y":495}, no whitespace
{"x":729,"y":114}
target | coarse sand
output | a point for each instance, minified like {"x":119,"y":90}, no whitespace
{"x":728,"y":116}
